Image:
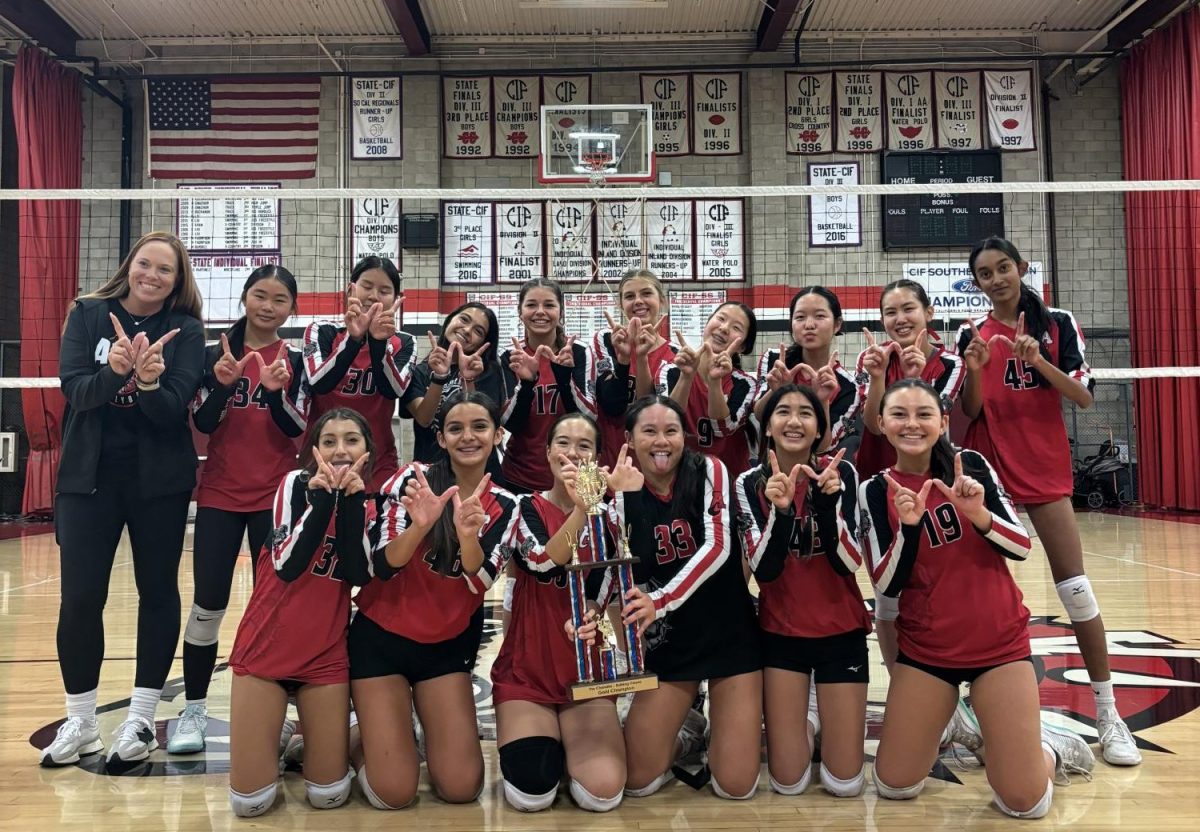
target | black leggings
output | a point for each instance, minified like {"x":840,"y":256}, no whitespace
{"x":218,"y":540}
{"x":89,"y":529}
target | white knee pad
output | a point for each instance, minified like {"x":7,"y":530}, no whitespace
{"x":202,"y":626}
{"x":523,"y":802}
{"x":510,"y":589}
{"x":1077,"y":596}
{"x":369,"y":793}
{"x":794,"y":789}
{"x":886,"y":608}
{"x":653,"y":786}
{"x":254,"y":804}
{"x":843,"y":788}
{"x":329,"y":795}
{"x":589,"y":802}
{"x":1038,"y":810}
{"x":719,"y":792}
{"x":892,"y":793}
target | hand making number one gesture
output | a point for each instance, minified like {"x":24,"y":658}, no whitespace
{"x":780,"y":489}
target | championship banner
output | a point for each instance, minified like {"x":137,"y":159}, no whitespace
{"x":956,"y":96}
{"x":859,"y":111}
{"x":220,"y":279}
{"x":910,"y":110}
{"x":669,"y":252}
{"x":720,"y":237}
{"x":834,"y":219}
{"x":669,"y":95}
{"x":467,"y":242}
{"x":375,"y":118}
{"x":563,"y":91}
{"x":229,"y":224}
{"x":1010,"y":108}
{"x":517,"y":102}
{"x":375,"y":229}
{"x":466,"y":117}
{"x":570,"y":236}
{"x":583,"y":312}
{"x":717,"y":114}
{"x":520,"y":254}
{"x":808,"y":103}
{"x":618,"y":238}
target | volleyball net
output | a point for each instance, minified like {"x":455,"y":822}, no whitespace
{"x":1086,"y":242}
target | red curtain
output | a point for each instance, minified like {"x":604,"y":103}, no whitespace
{"x":48,"y":114}
{"x":1160,"y":92}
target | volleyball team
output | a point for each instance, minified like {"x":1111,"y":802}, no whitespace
{"x":796,"y":476}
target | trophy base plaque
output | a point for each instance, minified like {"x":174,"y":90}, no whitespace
{"x":581,"y":691}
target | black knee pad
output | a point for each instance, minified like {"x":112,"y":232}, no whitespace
{"x":535,"y":765}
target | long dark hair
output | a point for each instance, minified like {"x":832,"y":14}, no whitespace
{"x":373,"y":262}
{"x":237,"y":333}
{"x":492,"y":355}
{"x":309,"y":463}
{"x":1037,"y":316}
{"x":773,"y":400}
{"x":747,"y":345}
{"x":795,"y":353}
{"x":441,"y":476}
{"x":689,"y":477}
{"x":911,"y":285}
{"x":560,"y":334}
{"x":941,"y":459}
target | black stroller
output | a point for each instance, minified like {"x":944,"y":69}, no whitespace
{"x":1103,"y":480}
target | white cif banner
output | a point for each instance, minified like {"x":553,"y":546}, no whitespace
{"x":220,"y":279}
{"x":669,"y":252}
{"x":467,"y":117}
{"x":583,"y":313}
{"x":834,"y":219}
{"x":952,"y":291}
{"x":375,"y":118}
{"x":520,"y":253}
{"x":563,"y":91}
{"x":717,"y":114}
{"x":467,"y":242}
{"x":570,"y":233}
{"x":719,"y":239}
{"x":690,"y":312}
{"x":516,"y":112}
{"x":808,"y":104}
{"x":618,"y":237}
{"x":957,"y":99}
{"x":375,"y":229}
{"x":669,"y":96}
{"x":1009,"y":95}
{"x":910,"y":110}
{"x":859,"y":111}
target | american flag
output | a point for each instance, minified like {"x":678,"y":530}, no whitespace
{"x":231,"y":128}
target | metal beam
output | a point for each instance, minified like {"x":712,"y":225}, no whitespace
{"x":40,"y":23}
{"x":773,"y":25}
{"x":1147,"y":17}
{"x":411,"y":24}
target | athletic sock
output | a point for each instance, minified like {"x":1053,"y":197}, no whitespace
{"x":1106,"y":700}
{"x":202,"y":702}
{"x":144,"y":703}
{"x":82,"y":705}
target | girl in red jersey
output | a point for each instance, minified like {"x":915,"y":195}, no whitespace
{"x":1022,"y":359}
{"x":546,"y":374}
{"x":537,"y":724}
{"x":937,"y":528}
{"x":444,"y":537}
{"x":691,"y":604}
{"x":816,"y":319}
{"x":253,"y":404}
{"x":292,"y":639}
{"x":342,"y":374}
{"x":642,"y":299}
{"x":708,"y":383}
{"x":801,"y":539}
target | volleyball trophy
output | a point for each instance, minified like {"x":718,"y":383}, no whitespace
{"x":597,"y":673}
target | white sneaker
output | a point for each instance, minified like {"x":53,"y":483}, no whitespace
{"x":190,"y":731}
{"x":418,"y":737}
{"x":133,"y":741}
{"x":285,"y":734}
{"x":814,"y":717}
{"x":964,"y":729}
{"x":1071,"y":754}
{"x":691,"y":733}
{"x":77,"y":737}
{"x":1117,"y":745}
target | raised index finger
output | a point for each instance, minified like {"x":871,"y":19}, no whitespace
{"x":774,"y":460}
{"x":974,"y":330}
{"x":869,"y":336}
{"x":120,"y":330}
{"x":225,"y":345}
{"x":483,"y":486}
{"x":836,"y":461}
{"x":681,"y":340}
{"x":958,"y":469}
{"x":1020,"y":324}
{"x":611,"y":323}
{"x":166,"y":338}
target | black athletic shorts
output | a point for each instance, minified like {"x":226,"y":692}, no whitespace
{"x":376,"y":652}
{"x":953,"y":676}
{"x":828,"y":659}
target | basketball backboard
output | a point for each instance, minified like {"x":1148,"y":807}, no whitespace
{"x":597,"y":143}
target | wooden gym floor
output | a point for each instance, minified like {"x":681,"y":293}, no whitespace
{"x":1145,"y":569}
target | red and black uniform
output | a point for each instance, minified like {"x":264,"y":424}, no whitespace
{"x":843,"y":410}
{"x":418,"y":606}
{"x":294,"y":628}
{"x":959,"y":605}
{"x":1020,"y":427}
{"x":943,"y":369}
{"x":616,"y":389}
{"x":725,"y":439}
{"x":531,"y":407}
{"x":342,"y":374}
{"x":537,"y":661}
{"x":691,"y":568}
